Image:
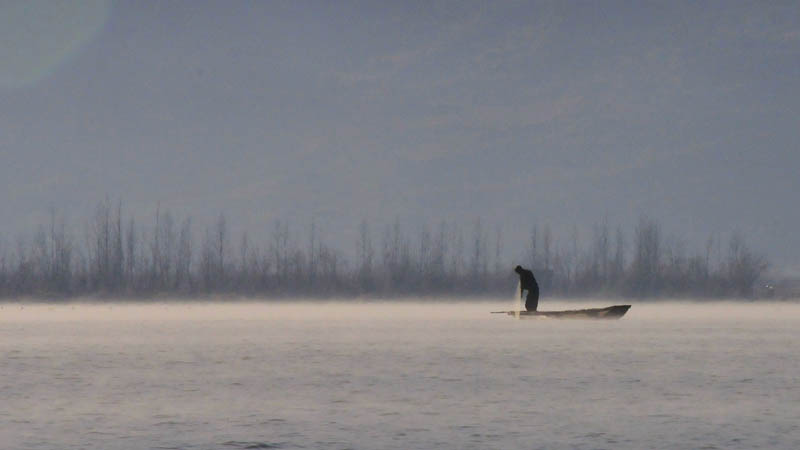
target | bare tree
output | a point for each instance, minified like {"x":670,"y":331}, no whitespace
{"x":423,"y":267}
{"x":280,"y":251}
{"x":645,"y":270}
{"x":220,"y":250}
{"x":102,"y":242}
{"x":131,"y":259}
{"x":312,"y":254}
{"x":457,"y":253}
{"x":183,"y":262}
{"x":60,"y":256}
{"x":4,"y":269}
{"x":547,"y":243}
{"x":618,"y":264}
{"x":533,"y":253}
{"x":478,"y":261}
{"x":439,"y":256}
{"x":744,"y":267}
{"x":499,"y":266}
{"x":600,"y":255}
{"x":365,"y":254}
{"x":40,"y":260}
{"x":208,"y":271}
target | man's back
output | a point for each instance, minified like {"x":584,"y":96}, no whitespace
{"x":527,"y":280}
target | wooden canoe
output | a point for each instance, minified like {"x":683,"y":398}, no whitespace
{"x":611,"y":312}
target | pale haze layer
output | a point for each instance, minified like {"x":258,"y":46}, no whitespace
{"x":558,"y":113}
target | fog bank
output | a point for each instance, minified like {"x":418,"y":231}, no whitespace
{"x":412,"y":309}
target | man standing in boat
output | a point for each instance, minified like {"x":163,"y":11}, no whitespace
{"x":527,"y":282}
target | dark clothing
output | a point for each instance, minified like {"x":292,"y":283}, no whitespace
{"x":527,"y":282}
{"x":532,"y":300}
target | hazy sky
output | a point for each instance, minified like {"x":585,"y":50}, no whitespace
{"x":515,"y":112}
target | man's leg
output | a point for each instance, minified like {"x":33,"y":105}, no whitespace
{"x":532,"y":301}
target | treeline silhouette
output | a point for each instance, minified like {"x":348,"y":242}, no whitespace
{"x":119,"y":257}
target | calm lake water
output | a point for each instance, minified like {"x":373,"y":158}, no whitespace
{"x":397,"y":375}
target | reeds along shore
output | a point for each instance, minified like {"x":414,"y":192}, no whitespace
{"x":116,"y":257}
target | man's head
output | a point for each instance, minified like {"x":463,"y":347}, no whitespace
{"x":518,"y":269}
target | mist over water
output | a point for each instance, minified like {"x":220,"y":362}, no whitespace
{"x":397,"y":375}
